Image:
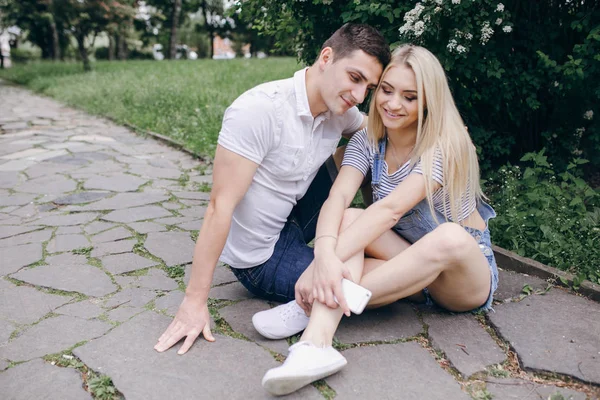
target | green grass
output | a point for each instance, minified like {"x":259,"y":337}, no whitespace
{"x":184,"y":100}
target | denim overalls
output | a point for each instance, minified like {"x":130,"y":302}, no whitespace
{"x":419,"y":221}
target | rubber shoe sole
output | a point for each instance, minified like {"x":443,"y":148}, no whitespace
{"x":282,"y":385}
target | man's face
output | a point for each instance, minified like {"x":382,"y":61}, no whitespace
{"x":347,"y":81}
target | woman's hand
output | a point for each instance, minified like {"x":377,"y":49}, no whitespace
{"x":327,"y":280}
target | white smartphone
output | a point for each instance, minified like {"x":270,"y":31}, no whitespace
{"x":356,"y":296}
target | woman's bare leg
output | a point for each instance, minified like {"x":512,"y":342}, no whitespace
{"x":447,"y":260}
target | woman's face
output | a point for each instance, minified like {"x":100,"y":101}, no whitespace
{"x":396,"y":99}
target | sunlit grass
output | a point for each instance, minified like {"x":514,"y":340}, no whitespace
{"x":184,"y":100}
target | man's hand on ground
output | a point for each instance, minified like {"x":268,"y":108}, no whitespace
{"x":191,"y":319}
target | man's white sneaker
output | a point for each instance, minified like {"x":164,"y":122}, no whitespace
{"x":280,"y":322}
{"x":305,"y":363}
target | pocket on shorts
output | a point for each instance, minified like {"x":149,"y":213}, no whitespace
{"x":410,"y":220}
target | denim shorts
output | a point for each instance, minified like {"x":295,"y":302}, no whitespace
{"x":276,"y":278}
{"x":485,"y":244}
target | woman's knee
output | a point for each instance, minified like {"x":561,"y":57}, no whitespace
{"x":350,"y":215}
{"x":450,"y":241}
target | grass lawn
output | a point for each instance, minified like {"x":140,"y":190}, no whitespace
{"x":184,"y":100}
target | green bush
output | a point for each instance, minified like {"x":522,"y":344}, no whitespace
{"x":136,"y":54}
{"x":101,"y":53}
{"x":525,"y":75}
{"x":551,"y":217}
{"x":23,"y":56}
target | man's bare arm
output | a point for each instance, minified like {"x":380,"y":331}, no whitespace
{"x":232,"y":176}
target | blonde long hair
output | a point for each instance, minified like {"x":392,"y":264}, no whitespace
{"x":439,"y":128}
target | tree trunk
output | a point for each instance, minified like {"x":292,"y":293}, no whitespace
{"x":83,"y":52}
{"x":122,"y":48}
{"x":111,"y":47}
{"x":174,"y":26}
{"x":54,"y":45}
{"x":209,"y":28}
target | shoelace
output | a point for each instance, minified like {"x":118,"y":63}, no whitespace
{"x":290,"y":310}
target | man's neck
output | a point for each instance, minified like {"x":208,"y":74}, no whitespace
{"x":315,"y":101}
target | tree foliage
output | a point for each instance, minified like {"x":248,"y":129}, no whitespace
{"x":525,"y":74}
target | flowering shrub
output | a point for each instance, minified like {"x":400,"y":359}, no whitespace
{"x":551,"y":217}
{"x":523,"y":74}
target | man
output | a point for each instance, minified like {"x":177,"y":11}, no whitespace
{"x":275,"y":140}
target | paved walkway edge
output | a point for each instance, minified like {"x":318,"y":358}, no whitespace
{"x":514,"y":262}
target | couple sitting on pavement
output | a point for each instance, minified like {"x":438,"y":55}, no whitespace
{"x":279,"y":182}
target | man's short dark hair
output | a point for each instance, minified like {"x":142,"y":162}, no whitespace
{"x":352,"y":37}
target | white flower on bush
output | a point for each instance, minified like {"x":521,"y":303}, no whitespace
{"x":437,"y":10}
{"x":451,"y":45}
{"x":419,"y":28}
{"x":500,"y":7}
{"x":455,"y":1}
{"x":507,"y":29}
{"x":486,"y":32}
{"x":499,"y":21}
{"x":556,"y":84}
{"x":589,"y":114}
{"x":410,"y":18}
{"x":461,"y":49}
{"x":439,"y":2}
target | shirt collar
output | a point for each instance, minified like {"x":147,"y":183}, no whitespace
{"x":302,"y":106}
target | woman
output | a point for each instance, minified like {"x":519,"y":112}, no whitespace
{"x":425,"y":236}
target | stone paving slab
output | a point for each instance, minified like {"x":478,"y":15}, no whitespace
{"x":566,"y":343}
{"x":8,"y":231}
{"x":27,"y":305}
{"x":126,"y":262}
{"x":32,"y":237}
{"x":464,"y":341}
{"x":232,"y":291}
{"x":16,"y":200}
{"x":511,"y":284}
{"x":6,"y":330}
{"x":16,"y":257}
{"x":51,"y":336}
{"x":404,"y":370}
{"x":192,"y":195}
{"x":221,"y":275}
{"x":82,"y":197}
{"x":139,"y":372}
{"x":126,"y":200}
{"x":98,"y":226}
{"x":55,"y":184}
{"x":515,"y":389}
{"x":62,"y":243}
{"x":239,"y":317}
{"x":66,"y":220}
{"x":115,"y":183}
{"x":85,"y":279}
{"x":68,"y":230}
{"x":147,"y":227}
{"x":44,"y":382}
{"x":130,"y":297}
{"x":117,"y":247}
{"x":85,"y":309}
{"x":111,"y":235}
{"x":174,"y":248}
{"x":136,"y":214}
{"x":396,"y":321}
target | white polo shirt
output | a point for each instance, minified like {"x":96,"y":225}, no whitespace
{"x":272,"y":126}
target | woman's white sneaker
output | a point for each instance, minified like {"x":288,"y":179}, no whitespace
{"x":280,"y":322}
{"x":305,"y":363}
